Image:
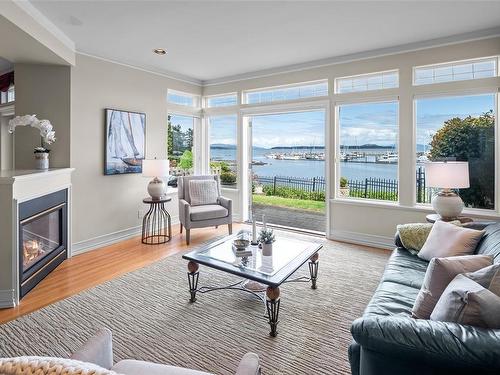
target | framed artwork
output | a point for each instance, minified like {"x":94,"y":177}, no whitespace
{"x":125,"y":141}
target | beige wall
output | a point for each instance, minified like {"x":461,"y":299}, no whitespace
{"x":105,"y":205}
{"x":375,"y":223}
{"x":43,"y":90}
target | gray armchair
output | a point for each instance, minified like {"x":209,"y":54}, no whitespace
{"x":209,"y":215}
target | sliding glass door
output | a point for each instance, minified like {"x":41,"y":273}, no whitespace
{"x":287,"y":169}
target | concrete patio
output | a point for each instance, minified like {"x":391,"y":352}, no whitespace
{"x":291,"y":217}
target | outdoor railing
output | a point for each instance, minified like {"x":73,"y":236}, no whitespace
{"x":372,"y":187}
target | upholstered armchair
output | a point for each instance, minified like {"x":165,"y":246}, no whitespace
{"x":202,"y":215}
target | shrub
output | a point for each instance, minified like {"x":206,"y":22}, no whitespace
{"x":228,"y":178}
{"x":186,"y":161}
{"x":294,"y":193}
{"x":343,"y":182}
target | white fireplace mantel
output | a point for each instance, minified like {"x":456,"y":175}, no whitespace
{"x":17,"y":186}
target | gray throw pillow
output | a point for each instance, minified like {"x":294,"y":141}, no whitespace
{"x":465,"y":301}
{"x":446,"y":240}
{"x":203,"y":192}
{"x":440,"y":272}
{"x":488,"y":277}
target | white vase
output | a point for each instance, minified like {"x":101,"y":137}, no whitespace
{"x":42,"y":160}
{"x":267,"y":249}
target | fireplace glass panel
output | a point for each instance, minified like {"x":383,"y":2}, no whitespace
{"x":41,"y":236}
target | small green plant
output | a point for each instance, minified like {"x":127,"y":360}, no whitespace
{"x":228,"y":178}
{"x":266,"y":236}
{"x":343,"y":182}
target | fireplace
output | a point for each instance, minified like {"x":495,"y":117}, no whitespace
{"x":43,"y":235}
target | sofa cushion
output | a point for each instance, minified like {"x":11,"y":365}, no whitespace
{"x":133,"y":367}
{"x":208,"y":212}
{"x":439,"y":274}
{"x":405,"y":268}
{"x":490,"y":243}
{"x":447,"y":240}
{"x":392,"y":299}
{"x":466,"y":302}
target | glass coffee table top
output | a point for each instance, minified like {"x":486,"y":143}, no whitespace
{"x":288,"y":255}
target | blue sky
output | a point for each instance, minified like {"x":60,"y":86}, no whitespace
{"x":359,"y":123}
{"x":431,"y":113}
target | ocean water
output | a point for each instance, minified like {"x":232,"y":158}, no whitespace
{"x":310,"y":168}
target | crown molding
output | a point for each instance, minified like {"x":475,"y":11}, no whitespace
{"x":410,"y":47}
{"x":163,"y":73}
{"x":39,"y":17}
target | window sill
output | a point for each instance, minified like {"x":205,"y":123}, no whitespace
{"x":474,"y":213}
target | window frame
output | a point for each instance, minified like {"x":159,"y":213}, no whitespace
{"x":208,"y":97}
{"x":461,"y":93}
{"x":338,"y":79}
{"x":336,"y":186}
{"x":208,"y":156}
{"x":197,"y":138}
{"x":496,"y":60}
{"x":244,"y":93}
{"x":196,"y":99}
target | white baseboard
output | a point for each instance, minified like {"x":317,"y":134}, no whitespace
{"x":382,"y":242}
{"x":108,"y":239}
{"x":7,"y":299}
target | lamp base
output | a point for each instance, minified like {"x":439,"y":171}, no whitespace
{"x":447,"y":204}
{"x":156,"y":188}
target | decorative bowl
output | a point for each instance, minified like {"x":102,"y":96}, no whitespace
{"x":241,"y":244}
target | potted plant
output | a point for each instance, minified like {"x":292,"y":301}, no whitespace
{"x":228,"y":178}
{"x":47,"y":134}
{"x":266,"y":238}
{"x":344,"y":187}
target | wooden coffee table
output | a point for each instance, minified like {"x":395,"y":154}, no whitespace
{"x":288,"y":256}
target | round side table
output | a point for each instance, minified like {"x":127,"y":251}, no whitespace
{"x":432,"y":218}
{"x":156,"y":224}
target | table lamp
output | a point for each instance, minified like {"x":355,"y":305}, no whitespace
{"x":156,"y":168}
{"x":447,"y":175}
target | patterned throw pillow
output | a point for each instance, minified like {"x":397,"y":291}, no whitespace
{"x":203,"y":192}
{"x":414,"y":235}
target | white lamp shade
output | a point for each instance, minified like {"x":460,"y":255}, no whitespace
{"x":447,"y":174}
{"x":155,"y":168}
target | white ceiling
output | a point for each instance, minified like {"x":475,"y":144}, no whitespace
{"x":208,"y":40}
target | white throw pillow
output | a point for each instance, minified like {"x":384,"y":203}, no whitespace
{"x":448,"y":240}
{"x":203,"y":192}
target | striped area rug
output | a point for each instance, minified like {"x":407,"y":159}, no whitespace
{"x":151,"y":318}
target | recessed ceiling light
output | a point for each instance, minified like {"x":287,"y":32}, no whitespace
{"x":159,"y":51}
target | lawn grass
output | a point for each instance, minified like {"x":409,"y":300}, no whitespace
{"x":302,"y":204}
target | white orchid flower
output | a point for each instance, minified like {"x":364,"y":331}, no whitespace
{"x":44,"y":126}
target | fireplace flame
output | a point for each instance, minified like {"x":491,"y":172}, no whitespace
{"x":32,"y":249}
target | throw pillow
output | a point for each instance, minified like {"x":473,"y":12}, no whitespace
{"x":488,"y":277}
{"x":446,"y":240}
{"x":439,"y":274}
{"x":414,"y":235}
{"x":203,"y":192}
{"x":466,"y":302}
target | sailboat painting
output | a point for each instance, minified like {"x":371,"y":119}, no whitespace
{"x":125,"y":142}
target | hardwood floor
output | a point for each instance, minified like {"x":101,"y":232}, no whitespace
{"x":95,"y":267}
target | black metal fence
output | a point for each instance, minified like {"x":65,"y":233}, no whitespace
{"x":309,"y":185}
{"x":373,"y":187}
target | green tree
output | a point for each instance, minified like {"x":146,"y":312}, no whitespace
{"x":186,"y":161}
{"x":470,"y":139}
